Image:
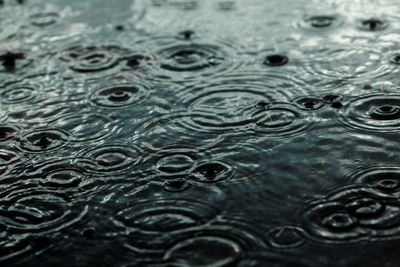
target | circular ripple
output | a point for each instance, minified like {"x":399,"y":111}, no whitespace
{"x":372,"y":24}
{"x":238,"y":104}
{"x":27,"y":209}
{"x":349,"y":63}
{"x":354,"y":214}
{"x":285,"y":237}
{"x":332,"y":221}
{"x":191,"y":57}
{"x":274,"y":120}
{"x":85,"y":126}
{"x":280,"y":119}
{"x":171,"y":162}
{"x":377,"y":113}
{"x":212,"y":172}
{"x":44,"y":19}
{"x":91,"y":58}
{"x":204,"y":250}
{"x":18,"y":93}
{"x":44,"y":140}
{"x":175,"y":163}
{"x":106,"y":159}
{"x":9,"y":132}
{"x":383,"y":179}
{"x":119,"y":95}
{"x":309,"y":103}
{"x":151,"y":223}
{"x":319,"y":22}
{"x":214,"y":245}
{"x":57,"y":174}
{"x":183,"y":60}
{"x":16,"y":248}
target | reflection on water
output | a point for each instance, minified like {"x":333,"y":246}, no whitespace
{"x":199,"y":133}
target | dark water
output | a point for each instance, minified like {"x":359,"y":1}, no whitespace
{"x":199,"y":133}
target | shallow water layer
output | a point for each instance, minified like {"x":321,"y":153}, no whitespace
{"x":199,"y":133}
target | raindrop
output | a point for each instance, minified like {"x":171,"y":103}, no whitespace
{"x":275,"y":60}
{"x":119,"y":95}
{"x":372,"y":24}
{"x":186,"y":35}
{"x":44,"y":140}
{"x":9,"y":60}
{"x":119,"y":27}
{"x":319,"y":23}
{"x":88,"y":233}
{"x":395,"y":59}
{"x":212,"y":172}
{"x":309,"y":103}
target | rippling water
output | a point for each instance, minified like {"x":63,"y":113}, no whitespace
{"x":199,"y":133}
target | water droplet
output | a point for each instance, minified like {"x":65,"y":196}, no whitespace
{"x":44,"y":140}
{"x":395,"y":59}
{"x":12,"y":60}
{"x":212,"y":172}
{"x":309,"y":103}
{"x":186,"y":35}
{"x":89,"y":233}
{"x":319,"y":22}
{"x":119,"y":27}
{"x":191,"y":57}
{"x":372,"y":24}
{"x":119,"y":95}
{"x":276,"y":60}
{"x":336,"y":105}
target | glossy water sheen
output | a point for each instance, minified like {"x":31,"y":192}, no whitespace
{"x":208,"y":133}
